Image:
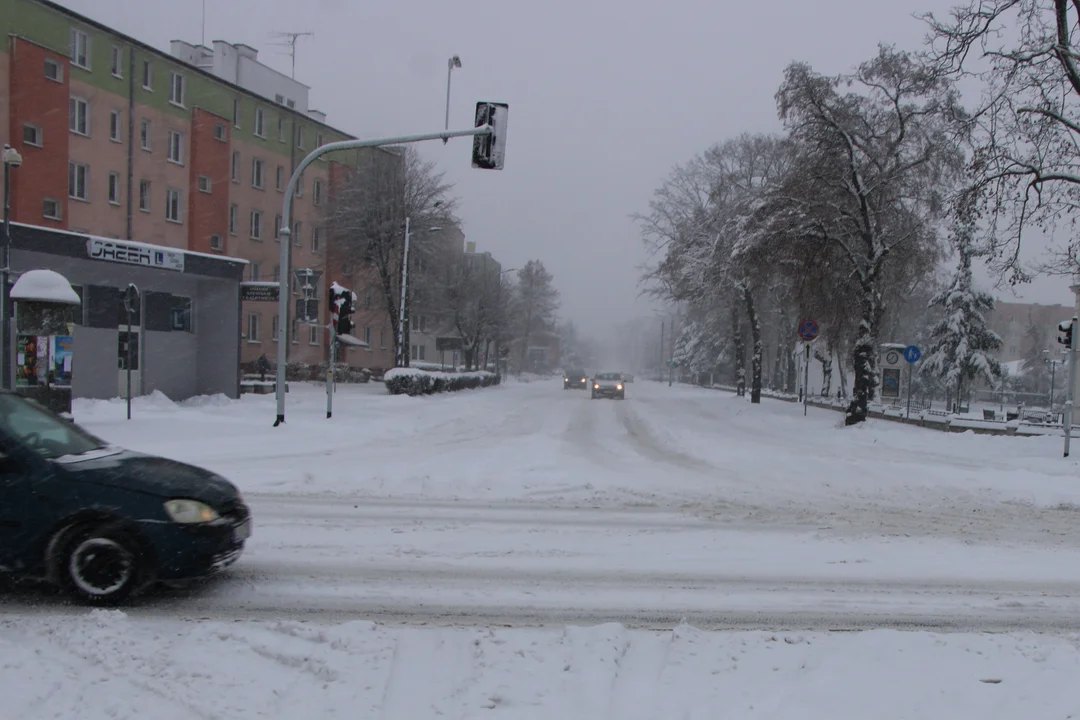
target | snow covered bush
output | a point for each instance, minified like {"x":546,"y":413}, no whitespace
{"x":413,"y":381}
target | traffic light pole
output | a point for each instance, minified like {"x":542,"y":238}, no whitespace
{"x":1071,"y":395}
{"x":330,"y":372}
{"x":286,"y":233}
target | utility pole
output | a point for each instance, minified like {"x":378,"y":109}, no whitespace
{"x":1072,"y":382}
{"x":660,"y":364}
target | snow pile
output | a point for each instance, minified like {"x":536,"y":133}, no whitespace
{"x":414,"y":381}
{"x":106,"y":666}
{"x":44,"y":286}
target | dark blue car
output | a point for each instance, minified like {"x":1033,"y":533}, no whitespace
{"x":101,"y":521}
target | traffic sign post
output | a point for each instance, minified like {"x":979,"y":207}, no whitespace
{"x":808,"y":331}
{"x":132,"y":302}
{"x":912,"y":354}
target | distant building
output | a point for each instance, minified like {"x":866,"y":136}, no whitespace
{"x":1011,"y":321}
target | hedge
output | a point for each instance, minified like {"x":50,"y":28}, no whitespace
{"x":412,"y":381}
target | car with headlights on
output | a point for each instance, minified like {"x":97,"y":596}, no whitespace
{"x":103,"y":522}
{"x":575,"y":380}
{"x":608,"y":385}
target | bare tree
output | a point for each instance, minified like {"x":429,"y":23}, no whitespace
{"x":366,"y":217}
{"x":472,"y":295}
{"x":869,"y":181}
{"x":1026,"y":129}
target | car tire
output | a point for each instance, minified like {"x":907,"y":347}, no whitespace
{"x":100,"y":565}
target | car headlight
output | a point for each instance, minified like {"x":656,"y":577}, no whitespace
{"x":596,"y":387}
{"x":190,"y":512}
{"x":618,"y":387}
{"x":566,"y":379}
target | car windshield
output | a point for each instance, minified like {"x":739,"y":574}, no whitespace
{"x":41,"y":431}
{"x":609,"y":376}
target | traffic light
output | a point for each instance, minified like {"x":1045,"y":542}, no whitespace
{"x":1066,"y":328}
{"x":489,"y":151}
{"x":342,"y":306}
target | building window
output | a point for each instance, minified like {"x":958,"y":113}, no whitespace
{"x":54,"y":71}
{"x":367,"y":335}
{"x":316,"y":240}
{"x":235,"y":172}
{"x":51,"y":209}
{"x":275,"y":330}
{"x":147,"y":75}
{"x":234,"y":215}
{"x":145,"y":135}
{"x":281,"y":128}
{"x":255,"y":272}
{"x":176,"y":147}
{"x":117,"y":64}
{"x":300,"y":136}
{"x":295,"y":331}
{"x":277,"y":228}
{"x":115,"y":125}
{"x":277,"y":273}
{"x":114,"y":188}
{"x":78,"y":180}
{"x":256,"y":226}
{"x":316,"y":192}
{"x":382,"y":338}
{"x":80,"y":49}
{"x":205,"y":184}
{"x":298,"y":239}
{"x":319,"y":140}
{"x":300,"y":186}
{"x":176,"y":89}
{"x":236,"y":112}
{"x":313,"y":334}
{"x":31,"y":135}
{"x":219,"y":132}
{"x":79,"y":116}
{"x":216,"y":243}
{"x":260,"y":130}
{"x":172,"y":205}
{"x":290,"y":103}
{"x":279,"y":99}
{"x":279,"y":182}
{"x":253,"y":327}
{"x":144,"y":195}
{"x":257,"y":174}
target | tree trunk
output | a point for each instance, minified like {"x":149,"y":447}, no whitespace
{"x":739,"y":343}
{"x":755,"y":333}
{"x":792,"y":374}
{"x":865,"y":357}
{"x":826,"y":369}
{"x":841,"y":367}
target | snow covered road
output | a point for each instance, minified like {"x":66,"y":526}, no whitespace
{"x":526,"y":505}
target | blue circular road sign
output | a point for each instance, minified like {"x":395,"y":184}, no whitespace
{"x":808,"y":330}
{"x":912,"y":353}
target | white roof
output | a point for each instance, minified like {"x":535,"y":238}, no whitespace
{"x":44,"y":286}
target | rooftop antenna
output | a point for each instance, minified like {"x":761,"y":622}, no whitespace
{"x":288,"y":40}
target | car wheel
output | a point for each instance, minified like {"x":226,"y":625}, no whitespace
{"x":101,"y":565}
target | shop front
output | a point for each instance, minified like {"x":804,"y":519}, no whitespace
{"x":179,"y":328}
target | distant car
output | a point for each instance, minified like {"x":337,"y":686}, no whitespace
{"x":575,"y":380}
{"x":100,"y":521}
{"x":627,"y":378}
{"x":608,"y":385}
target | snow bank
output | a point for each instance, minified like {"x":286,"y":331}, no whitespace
{"x":105,"y":665}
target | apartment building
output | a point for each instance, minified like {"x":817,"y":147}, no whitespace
{"x":189,"y":150}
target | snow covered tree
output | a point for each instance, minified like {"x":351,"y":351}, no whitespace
{"x":535,"y":303}
{"x":872,"y":166}
{"x":961,"y":344}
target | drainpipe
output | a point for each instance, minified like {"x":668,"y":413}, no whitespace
{"x":130,"y":143}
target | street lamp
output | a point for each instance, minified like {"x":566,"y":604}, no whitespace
{"x":403,"y":353}
{"x":454,"y":62}
{"x":12,"y":159}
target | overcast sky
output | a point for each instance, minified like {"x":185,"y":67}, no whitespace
{"x":605,"y":97}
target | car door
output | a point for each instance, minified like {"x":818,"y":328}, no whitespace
{"x":25,"y":515}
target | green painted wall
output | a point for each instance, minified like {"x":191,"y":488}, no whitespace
{"x":52,"y":28}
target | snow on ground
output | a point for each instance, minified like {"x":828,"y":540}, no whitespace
{"x":105,"y":666}
{"x":531,"y":506}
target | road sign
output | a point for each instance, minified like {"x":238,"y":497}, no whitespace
{"x":259,"y":291}
{"x":131,"y":299}
{"x":808,"y":330}
{"x":912,"y":353}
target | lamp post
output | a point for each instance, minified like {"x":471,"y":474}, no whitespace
{"x":403,"y":313}
{"x":453,"y":62}
{"x":12,"y":159}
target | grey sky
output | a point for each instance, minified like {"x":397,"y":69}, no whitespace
{"x":605,"y":97}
